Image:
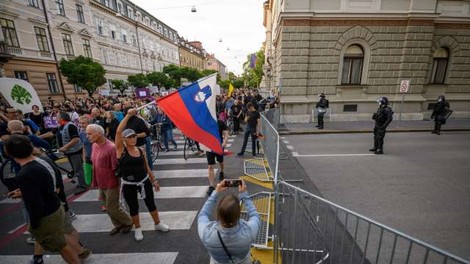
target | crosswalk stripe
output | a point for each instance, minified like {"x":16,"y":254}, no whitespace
{"x":124,"y":258}
{"x":94,"y":223}
{"x":180,"y":161}
{"x":172,"y":174}
{"x":164,"y":193}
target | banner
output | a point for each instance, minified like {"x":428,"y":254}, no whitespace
{"x":20,"y":94}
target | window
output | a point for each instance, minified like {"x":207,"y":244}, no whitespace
{"x":9,"y":32}
{"x":21,"y":75}
{"x":60,"y":7}
{"x":352,"y":65}
{"x":106,"y":3}
{"x":113,"y":34}
{"x":77,"y":88}
{"x":68,"y":47}
{"x":119,"y":7}
{"x":439,"y":66}
{"x":52,"y":83}
{"x":87,"y":48}
{"x":80,"y":16}
{"x":350,"y":108}
{"x":41,"y":38}
{"x":124,"y":37}
{"x":33,"y":3}
{"x":130,"y":13}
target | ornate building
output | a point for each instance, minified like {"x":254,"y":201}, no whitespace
{"x":191,"y":54}
{"x":357,"y":50}
{"x":212,"y":63}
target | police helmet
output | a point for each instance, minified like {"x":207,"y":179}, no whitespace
{"x":322,"y":95}
{"x":382,"y":100}
{"x":441,"y":98}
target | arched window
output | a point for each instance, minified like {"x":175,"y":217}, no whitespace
{"x":353,"y":62}
{"x":439,"y":66}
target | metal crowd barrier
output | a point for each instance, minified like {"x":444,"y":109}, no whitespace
{"x":310,"y":229}
{"x":270,"y":142}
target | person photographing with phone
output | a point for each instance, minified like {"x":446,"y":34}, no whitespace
{"x":228,"y":239}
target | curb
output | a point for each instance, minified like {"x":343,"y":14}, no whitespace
{"x":393,"y":130}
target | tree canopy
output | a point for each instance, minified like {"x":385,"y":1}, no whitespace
{"x":138,"y":80}
{"x":83,"y":72}
{"x":253,"y":76}
{"x":120,"y":85}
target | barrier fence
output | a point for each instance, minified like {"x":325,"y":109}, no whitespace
{"x":310,"y":229}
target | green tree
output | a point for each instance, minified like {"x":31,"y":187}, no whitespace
{"x":252,"y":76}
{"x":174,"y":72}
{"x":160,"y":79}
{"x":190,"y":73}
{"x":138,"y":80}
{"x":83,"y":72}
{"x":120,"y":85}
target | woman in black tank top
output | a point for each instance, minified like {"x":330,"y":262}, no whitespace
{"x":136,"y":176}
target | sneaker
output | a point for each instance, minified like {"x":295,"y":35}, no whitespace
{"x":85,"y":255}
{"x":373,"y":149}
{"x":36,"y":260}
{"x":379,"y":151}
{"x":210,"y":190}
{"x":115,"y":230}
{"x":138,"y":234}
{"x":221,"y":175}
{"x":162,"y":227}
{"x":30,"y":240}
{"x":167,"y":150}
{"x":176,"y":148}
{"x":72,"y":215}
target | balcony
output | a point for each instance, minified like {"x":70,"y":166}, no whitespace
{"x":16,"y":50}
{"x":5,"y":55}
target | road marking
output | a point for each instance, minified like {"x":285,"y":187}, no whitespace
{"x":180,"y":161}
{"x":173,"y":174}
{"x":286,"y":141}
{"x":124,"y":258}
{"x":289,"y":147}
{"x":164,"y":193}
{"x":295,"y":154}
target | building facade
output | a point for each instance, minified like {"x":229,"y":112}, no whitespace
{"x":191,"y":55}
{"x":212,"y":63}
{"x":355,"y":51}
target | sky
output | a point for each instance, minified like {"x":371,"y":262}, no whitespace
{"x":229,"y":29}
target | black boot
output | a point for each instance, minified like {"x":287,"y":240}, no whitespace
{"x":379,"y":151}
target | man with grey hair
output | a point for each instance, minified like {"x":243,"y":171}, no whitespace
{"x":104,"y":160}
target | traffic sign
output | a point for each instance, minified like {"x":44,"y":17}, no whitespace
{"x":404,"y":86}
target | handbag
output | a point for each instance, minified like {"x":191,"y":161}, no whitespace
{"x":228,"y":253}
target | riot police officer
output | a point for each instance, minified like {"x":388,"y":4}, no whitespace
{"x":322,"y":108}
{"x":382,"y":117}
{"x":440,"y":114}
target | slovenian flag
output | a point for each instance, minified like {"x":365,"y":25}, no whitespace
{"x":192,"y":110}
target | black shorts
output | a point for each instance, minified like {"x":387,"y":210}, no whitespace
{"x":211,"y":157}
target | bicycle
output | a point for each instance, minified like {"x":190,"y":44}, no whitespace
{"x":156,"y":145}
{"x":192,"y":145}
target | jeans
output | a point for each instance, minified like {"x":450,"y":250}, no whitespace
{"x":76,"y":161}
{"x":168,"y":136}
{"x":249,"y":131}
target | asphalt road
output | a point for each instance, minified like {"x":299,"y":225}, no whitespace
{"x":420,"y":186}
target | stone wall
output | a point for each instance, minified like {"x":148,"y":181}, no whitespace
{"x":310,"y":62}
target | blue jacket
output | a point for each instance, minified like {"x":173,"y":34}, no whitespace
{"x":237,"y":239}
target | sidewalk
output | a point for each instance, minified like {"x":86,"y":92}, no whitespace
{"x":368,"y":126}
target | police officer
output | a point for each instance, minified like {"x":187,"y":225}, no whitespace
{"x":322,"y":107}
{"x":382,"y":118}
{"x":441,"y":109}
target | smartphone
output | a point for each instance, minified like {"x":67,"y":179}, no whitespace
{"x":232,"y":183}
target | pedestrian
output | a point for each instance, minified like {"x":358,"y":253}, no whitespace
{"x":228,"y":240}
{"x":252,"y":127}
{"x":104,"y":160}
{"x":141,"y":128}
{"x":212,"y":157}
{"x":111,"y":124}
{"x":236,"y":113}
{"x":136,"y":176}
{"x":166,"y":129}
{"x":440,"y":114}
{"x":382,"y":117}
{"x":322,"y":108}
{"x":38,"y":190}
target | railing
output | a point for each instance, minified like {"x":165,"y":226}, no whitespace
{"x":271,"y":140}
{"x":310,"y":229}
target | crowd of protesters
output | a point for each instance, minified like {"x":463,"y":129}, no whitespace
{"x":101,"y":133}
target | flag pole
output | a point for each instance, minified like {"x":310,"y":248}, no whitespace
{"x":145,"y":105}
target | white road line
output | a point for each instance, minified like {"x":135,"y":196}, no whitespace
{"x":180,"y":161}
{"x":177,"y":174}
{"x":123,"y":258}
{"x":289,"y":147}
{"x":228,"y":145}
{"x":95,"y":223}
{"x":295,"y":154}
{"x":14,"y":230}
{"x":286,"y":141}
{"x":164,"y":193}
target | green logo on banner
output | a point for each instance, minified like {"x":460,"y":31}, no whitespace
{"x":21,"y":95}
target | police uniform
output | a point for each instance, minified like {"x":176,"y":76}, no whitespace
{"x":382,"y":117}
